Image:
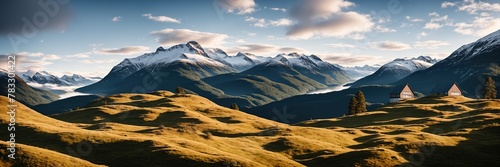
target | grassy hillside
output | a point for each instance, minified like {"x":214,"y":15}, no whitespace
{"x":187,"y":130}
{"x":27,"y":94}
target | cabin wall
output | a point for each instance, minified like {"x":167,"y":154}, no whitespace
{"x":406,"y":93}
{"x":454,"y":91}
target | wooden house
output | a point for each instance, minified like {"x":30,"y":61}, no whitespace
{"x":446,"y":89}
{"x":401,"y":92}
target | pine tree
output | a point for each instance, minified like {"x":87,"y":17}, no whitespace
{"x":489,"y":91}
{"x":179,"y":90}
{"x":361,"y":107}
{"x":234,"y":106}
{"x":353,"y":106}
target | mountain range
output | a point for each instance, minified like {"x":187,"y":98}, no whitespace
{"x":24,"y":93}
{"x":396,"y":70}
{"x":44,"y":77}
{"x":245,"y":79}
{"x":468,"y":66}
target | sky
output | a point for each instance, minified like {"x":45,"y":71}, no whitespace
{"x":90,"y":37}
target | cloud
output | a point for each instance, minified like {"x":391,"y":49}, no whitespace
{"x":264,"y":49}
{"x":480,"y":26}
{"x":472,"y":7}
{"x":380,"y":28}
{"x":257,"y":22}
{"x":239,"y":6}
{"x":340,"y":25}
{"x":430,"y":44}
{"x":177,"y":36}
{"x":19,"y":14}
{"x":314,"y":9}
{"x":279,"y":9}
{"x":422,"y":34}
{"x":414,"y":19}
{"x":50,"y":57}
{"x":347,"y":59}
{"x":97,"y":61}
{"x":26,"y":61}
{"x":127,"y":50}
{"x":436,"y":22}
{"x":390,"y":45}
{"x":78,"y":55}
{"x":432,"y":26}
{"x":161,"y":18}
{"x":325,"y":18}
{"x":117,"y":19}
{"x":341,"y":45}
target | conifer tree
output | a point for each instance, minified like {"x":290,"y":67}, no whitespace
{"x":489,"y":91}
{"x":353,"y":106}
{"x":361,"y":107}
{"x":179,"y":90}
{"x":234,"y":106}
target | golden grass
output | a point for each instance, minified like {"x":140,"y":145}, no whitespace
{"x":163,"y":128}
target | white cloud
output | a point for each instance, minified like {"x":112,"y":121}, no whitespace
{"x":258,"y":22}
{"x":29,"y":54}
{"x":472,"y":7}
{"x":279,"y":9}
{"x":414,"y":19}
{"x":447,"y":4}
{"x":241,"y":6}
{"x":97,"y":61}
{"x":341,"y":45}
{"x":127,"y":50}
{"x":314,"y":9}
{"x":436,"y":22}
{"x":78,"y":55}
{"x":430,"y":44}
{"x":117,"y":19}
{"x":50,"y":57}
{"x":161,"y":18}
{"x":281,"y":22}
{"x":380,"y":28}
{"x":264,"y":49}
{"x":390,"y":45}
{"x":480,"y":26}
{"x":177,"y":36}
{"x":341,"y":25}
{"x":355,"y":36}
{"x":432,"y":26}
{"x":348,"y":59}
{"x":422,"y":34}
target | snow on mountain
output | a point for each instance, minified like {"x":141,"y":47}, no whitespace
{"x":359,"y":71}
{"x":396,"y":70}
{"x":297,"y":60}
{"x":410,"y":64}
{"x":44,"y":77}
{"x":244,"y":61}
{"x":483,"y":45}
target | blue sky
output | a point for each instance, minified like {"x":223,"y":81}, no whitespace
{"x":90,"y":37}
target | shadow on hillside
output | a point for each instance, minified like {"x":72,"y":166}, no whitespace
{"x":480,"y":149}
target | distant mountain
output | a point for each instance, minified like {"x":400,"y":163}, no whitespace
{"x":44,"y":77}
{"x":65,"y":105}
{"x":469,"y":65}
{"x":359,"y":71}
{"x":24,"y":93}
{"x":396,"y":70}
{"x":214,"y":74}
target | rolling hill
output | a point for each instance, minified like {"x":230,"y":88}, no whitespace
{"x":187,"y":130}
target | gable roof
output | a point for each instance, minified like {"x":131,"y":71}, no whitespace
{"x":399,"y":88}
{"x":444,"y":87}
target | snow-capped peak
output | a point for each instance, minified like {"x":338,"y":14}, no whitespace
{"x":482,"y":45}
{"x":410,"y":64}
{"x":296,"y":59}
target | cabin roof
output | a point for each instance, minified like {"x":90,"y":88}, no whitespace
{"x":399,"y":88}
{"x":444,"y":87}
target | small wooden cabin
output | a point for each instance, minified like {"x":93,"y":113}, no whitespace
{"x":401,"y":92}
{"x":446,"y":89}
